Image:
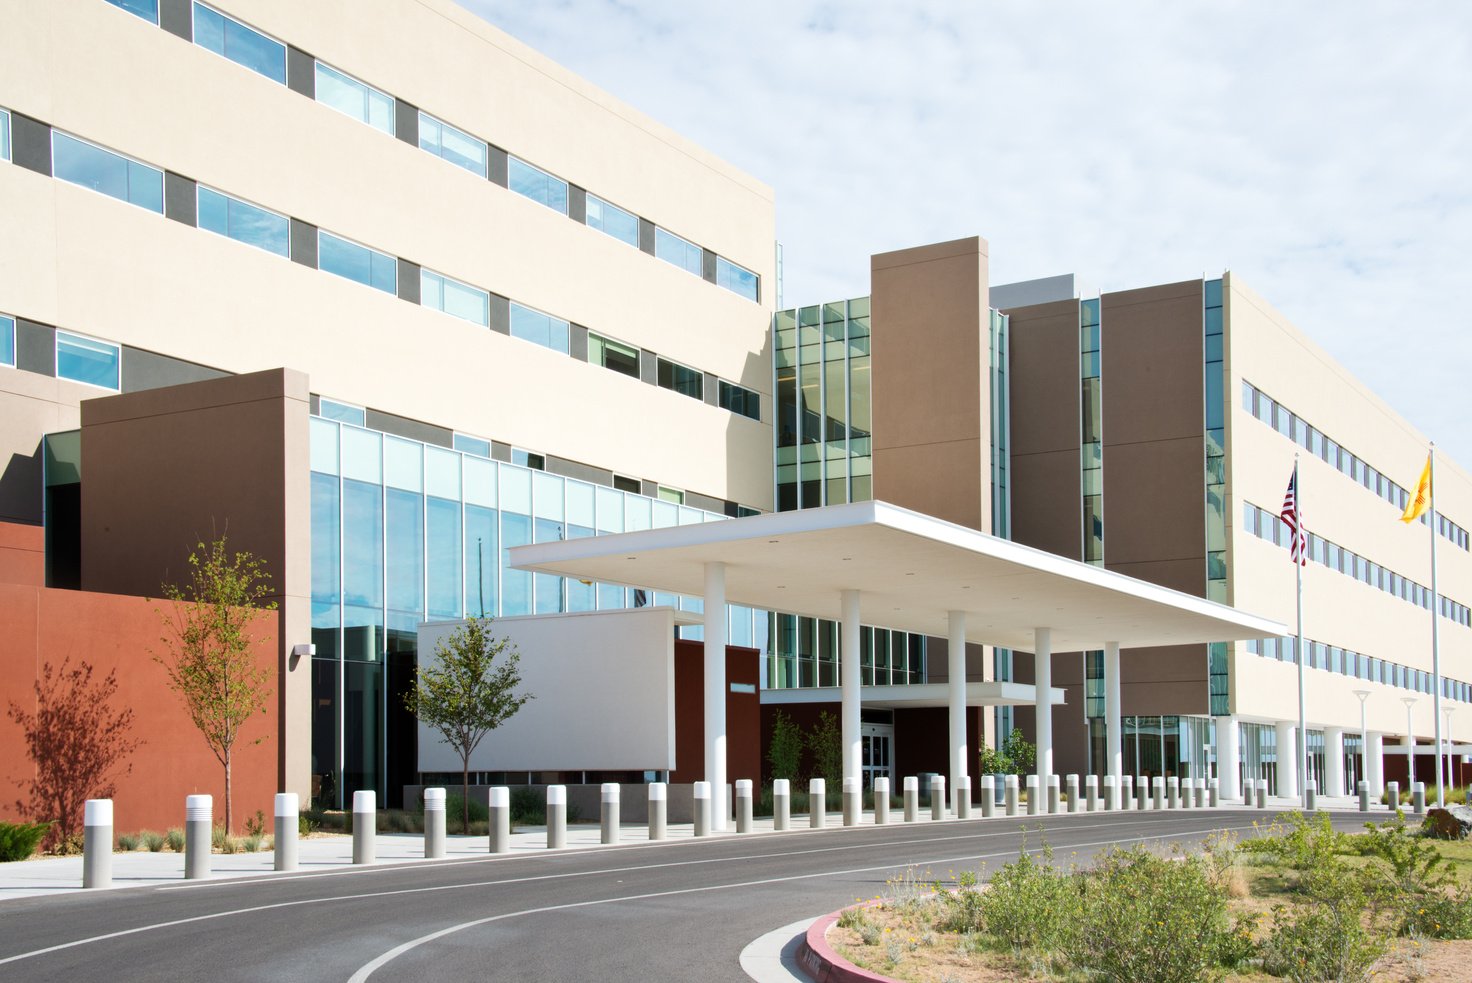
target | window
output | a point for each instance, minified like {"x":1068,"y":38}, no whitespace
{"x":680,"y":378}
{"x":631,"y":485}
{"x":613,"y":355}
{"x":330,"y":409}
{"x":472,"y":445}
{"x":740,"y":400}
{"x":244,"y":222}
{"x":348,"y":259}
{"x":672,"y":249}
{"x":231,"y":39}
{"x":736,"y":279}
{"x":538,"y":328}
{"x":671,"y":495}
{"x":538,"y":185}
{"x":7,"y":340}
{"x":362,"y":102}
{"x":4,"y":135}
{"x":454,"y":298}
{"x":87,"y":360}
{"x":102,"y":170}
{"x":613,"y":220}
{"x":147,"y":9}
{"x":455,"y":146}
{"x":528,"y":459}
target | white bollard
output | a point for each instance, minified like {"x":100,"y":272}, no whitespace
{"x":962,"y":793}
{"x":1053,"y":795}
{"x":853,"y":801}
{"x":434,"y":823}
{"x":781,"y":804}
{"x":556,"y":817}
{"x":198,"y":835}
{"x":702,"y":808}
{"x":608,"y":818}
{"x":1172,"y":792}
{"x":97,"y":843}
{"x":1310,"y":796}
{"x":498,"y":824}
{"x":1111,"y":794}
{"x":658,"y":809}
{"x":1073,"y":796}
{"x":1012,"y":795}
{"x":743,"y":805}
{"x":1201,"y":793}
{"x":365,"y":823}
{"x":1126,"y":793}
{"x":988,"y":796}
{"x":1364,"y":792}
{"x":288,"y":825}
{"x":1214,"y":793}
{"x":1392,"y":795}
{"x":1418,"y":798}
{"x":912,"y":798}
{"x":817,"y":803}
{"x":881,"y":801}
{"x":1248,"y":792}
{"x":1142,"y":793}
{"x":1157,"y":788}
{"x":937,"y":797}
{"x":1091,"y":792}
{"x":1034,"y":796}
{"x":1262,"y":793}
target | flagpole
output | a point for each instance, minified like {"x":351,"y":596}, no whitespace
{"x":1298,"y":573}
{"x":1435,"y":646}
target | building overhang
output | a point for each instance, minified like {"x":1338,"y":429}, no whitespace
{"x":978,"y":694}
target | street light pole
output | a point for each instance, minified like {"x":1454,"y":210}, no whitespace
{"x":1446,"y":730}
{"x":1410,"y":701}
{"x":1364,"y":695}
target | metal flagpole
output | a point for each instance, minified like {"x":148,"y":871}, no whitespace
{"x":1300,"y":535}
{"x":1435,"y":645}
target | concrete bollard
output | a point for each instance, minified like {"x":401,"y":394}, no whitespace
{"x":743,"y":805}
{"x":912,"y":799}
{"x":1201,"y":793}
{"x":1073,"y":797}
{"x":608,"y":818}
{"x":365,"y":823}
{"x":1418,"y":798}
{"x":1034,"y":796}
{"x":1392,"y":795}
{"x":1185,"y":787}
{"x":781,"y":804}
{"x":1172,"y":792}
{"x":702,"y":808}
{"x":1364,"y":792}
{"x":1126,"y":792}
{"x":1248,"y":793}
{"x":97,"y":843}
{"x":1091,"y":792}
{"x":1111,"y":794}
{"x":1310,"y":796}
{"x":988,"y":796}
{"x":1157,"y":789}
{"x":434,"y":823}
{"x":963,"y":797}
{"x":881,"y":801}
{"x":1053,"y":794}
{"x":1262,"y":793}
{"x":1142,"y":793}
{"x":1214,"y":793}
{"x":853,"y":801}
{"x":658,"y":809}
{"x":288,"y":824}
{"x":557,"y":816}
{"x":937,"y":797}
{"x":1012,"y":795}
{"x":198,"y":835}
{"x":817,"y":803}
{"x":498,"y":819}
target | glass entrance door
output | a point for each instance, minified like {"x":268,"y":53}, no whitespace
{"x":878,"y":753}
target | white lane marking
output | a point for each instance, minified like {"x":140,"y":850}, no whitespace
{"x":368,"y":969}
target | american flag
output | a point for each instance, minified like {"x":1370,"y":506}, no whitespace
{"x":1292,"y":516}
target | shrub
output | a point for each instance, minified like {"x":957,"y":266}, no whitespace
{"x":18,"y":841}
{"x":784,"y":750}
{"x":128,"y":841}
{"x":1031,"y":905}
{"x":256,"y":825}
{"x":1333,"y":933}
{"x":218,"y":837}
{"x":454,"y":807}
{"x":1308,"y":843}
{"x":174,"y":838}
{"x":825,"y":744}
{"x":252,"y":843}
{"x":304,"y":824}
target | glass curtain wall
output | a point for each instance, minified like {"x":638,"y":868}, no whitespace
{"x":1216,"y":484}
{"x":1168,"y":746}
{"x":1091,"y":428}
{"x":999,"y":342}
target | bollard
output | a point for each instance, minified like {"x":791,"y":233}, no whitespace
{"x":1392,"y":795}
{"x":1172,"y":792}
{"x":1091,"y":792}
{"x":743,"y":805}
{"x":1418,"y":798}
{"x":853,"y":801}
{"x":658,"y":810}
{"x":1034,"y":797}
{"x":1310,"y":796}
{"x":434,"y":823}
{"x":365,"y":821}
{"x":288,"y":824}
{"x":198,"y":835}
{"x":1214,"y":793}
{"x":1364,"y":790}
{"x":1185,"y":792}
{"x":937,"y":797}
{"x":1053,"y":794}
{"x":781,"y":804}
{"x":817,"y":803}
{"x":988,"y":796}
{"x":702,"y":808}
{"x":912,"y":799}
{"x":608,"y":814}
{"x":1073,"y":797}
{"x":1012,"y":795}
{"x":963,"y":797}
{"x":1157,"y":789}
{"x":1126,"y":792}
{"x":498,"y":819}
{"x":557,"y":817}
{"x":881,"y":801}
{"x":1111,"y":794}
{"x":1201,"y":793}
{"x":1248,"y":794}
{"x":1142,"y":793}
{"x":1262,"y":793}
{"x":97,"y":843}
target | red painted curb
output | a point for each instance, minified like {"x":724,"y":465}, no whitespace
{"x":819,"y":961}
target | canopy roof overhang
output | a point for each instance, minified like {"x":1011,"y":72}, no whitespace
{"x":911,"y":570}
{"x":978,"y":694}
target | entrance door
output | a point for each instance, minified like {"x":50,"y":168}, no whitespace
{"x":878,"y":753}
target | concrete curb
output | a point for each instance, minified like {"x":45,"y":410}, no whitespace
{"x":817,"y":958}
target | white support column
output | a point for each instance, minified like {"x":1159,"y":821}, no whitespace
{"x":1375,"y":763}
{"x":956,"y":622}
{"x":1228,"y":757}
{"x":715,"y":691}
{"x":850,"y":680}
{"x":1042,"y":659}
{"x":1287,"y":757}
{"x":1333,"y":762}
{"x":1113,"y":726}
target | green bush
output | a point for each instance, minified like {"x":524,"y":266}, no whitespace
{"x":825,"y":745}
{"x":304,"y":824}
{"x":252,"y":843}
{"x":784,"y":750}
{"x":153,"y":841}
{"x":18,"y":841}
{"x":479,"y":813}
{"x":1032,"y":905}
{"x":1303,"y":844}
{"x":1332,"y":934}
{"x":128,"y":842}
{"x":175,"y":839}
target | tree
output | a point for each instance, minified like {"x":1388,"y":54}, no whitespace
{"x":785,"y":748}
{"x":825,"y":741}
{"x":76,"y":740}
{"x":208,"y":636}
{"x":1016,"y":757}
{"x":469,"y":692}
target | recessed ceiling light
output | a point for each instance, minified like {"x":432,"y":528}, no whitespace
{"x":628,"y":558}
{"x":774,"y":540}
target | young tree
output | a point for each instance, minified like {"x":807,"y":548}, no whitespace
{"x":208,"y":639}
{"x":469,"y":693}
{"x":785,"y":749}
{"x":826,"y":744}
{"x":76,"y":740}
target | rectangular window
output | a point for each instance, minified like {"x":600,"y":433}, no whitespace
{"x":671,"y":495}
{"x":229,"y":38}
{"x":116,"y":176}
{"x":613,"y":355}
{"x":7,"y":340}
{"x":360,"y":101}
{"x":348,"y":259}
{"x":672,"y":249}
{"x":538,"y":328}
{"x":736,"y":279}
{"x":528,"y":459}
{"x":330,"y":409}
{"x":622,"y":225}
{"x":457,"y":299}
{"x":87,"y":360}
{"x":472,"y":445}
{"x":4,"y":135}
{"x":739,"y":399}
{"x":681,"y":378}
{"x":538,"y":185}
{"x":244,"y":222}
{"x":455,"y":146}
{"x":147,"y":9}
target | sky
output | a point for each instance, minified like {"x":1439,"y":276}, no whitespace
{"x":1320,"y":151}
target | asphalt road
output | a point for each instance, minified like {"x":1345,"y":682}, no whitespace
{"x":673,"y":911}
